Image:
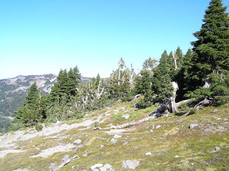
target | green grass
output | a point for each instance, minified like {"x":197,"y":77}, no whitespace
{"x":169,"y":144}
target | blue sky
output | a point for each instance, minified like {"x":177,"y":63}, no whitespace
{"x":43,"y":36}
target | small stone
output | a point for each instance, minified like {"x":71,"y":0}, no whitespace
{"x":65,"y":158}
{"x":101,"y":167}
{"x":96,"y":167}
{"x":193,"y":126}
{"x":214,"y":111}
{"x":149,"y":154}
{"x":125,"y":143}
{"x":158,"y":126}
{"x":207,"y":130}
{"x":53,"y":167}
{"x":101,"y":146}
{"x":180,"y":120}
{"x":129,"y":164}
{"x":78,"y":147}
{"x":147,"y":127}
{"x":85,"y":154}
{"x":192,"y":164}
{"x":96,"y":128}
{"x":126,"y":116}
{"x":117,"y":136}
{"x":75,"y":157}
{"x":77,"y":142}
{"x":176,"y":156}
{"x":106,"y":167}
{"x":151,"y":130}
{"x":74,"y":166}
{"x":182,"y":161}
{"x":113,"y":141}
{"x":216,"y":150}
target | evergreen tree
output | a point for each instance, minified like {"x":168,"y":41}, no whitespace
{"x":66,"y":85}
{"x":119,"y":83}
{"x":33,"y":109}
{"x":183,"y":78}
{"x":209,"y":60}
{"x":60,"y":88}
{"x":74,"y":78}
{"x":212,"y":45}
{"x":149,"y":64}
{"x":64,"y":94}
{"x":155,"y":82}
{"x":32,"y":98}
{"x":62,"y":83}
{"x":164,"y":74}
{"x":144,"y":86}
{"x":179,"y":57}
{"x":164,"y":63}
{"x":42,"y":105}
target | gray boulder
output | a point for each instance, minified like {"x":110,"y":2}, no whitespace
{"x":182,"y":161}
{"x":102,"y":167}
{"x":193,"y":126}
{"x":65,"y":158}
{"x":126,"y":116}
{"x":216,"y":150}
{"x":162,"y":108}
{"x":148,"y":154}
{"x":106,"y":167}
{"x":96,"y":167}
{"x":158,"y":126}
{"x":113,"y":141}
{"x":77,"y":142}
{"x":214,"y":111}
{"x":129,"y":164}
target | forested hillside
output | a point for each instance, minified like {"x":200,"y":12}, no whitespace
{"x":197,"y":78}
{"x":170,"y":115}
{"x":14,"y":90}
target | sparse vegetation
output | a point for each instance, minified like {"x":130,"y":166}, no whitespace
{"x":132,"y":116}
{"x":170,"y":140}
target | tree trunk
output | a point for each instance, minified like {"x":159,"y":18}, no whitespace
{"x":206,"y":101}
{"x":175,"y":61}
{"x":171,"y":102}
{"x":171,"y":105}
{"x":131,"y":80}
{"x":207,"y":83}
{"x":183,"y":102}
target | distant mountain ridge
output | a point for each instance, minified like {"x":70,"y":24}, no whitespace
{"x":13,"y":90}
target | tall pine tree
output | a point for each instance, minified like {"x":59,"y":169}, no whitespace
{"x":33,"y":109}
{"x":206,"y":69}
{"x":212,"y":45}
